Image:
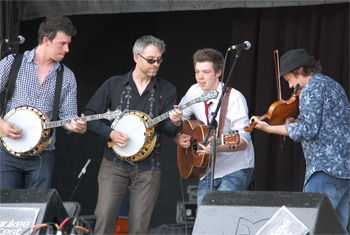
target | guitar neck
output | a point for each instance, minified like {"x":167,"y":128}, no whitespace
{"x":49,"y":125}
{"x":230,"y":139}
{"x":164,"y":116}
{"x":220,"y":141}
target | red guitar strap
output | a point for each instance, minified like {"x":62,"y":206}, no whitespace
{"x":224,"y":110}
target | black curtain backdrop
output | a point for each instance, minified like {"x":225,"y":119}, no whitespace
{"x":103,"y":48}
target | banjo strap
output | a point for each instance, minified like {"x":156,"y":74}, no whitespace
{"x":59,"y":80}
{"x":10,"y":87}
{"x":119,"y":90}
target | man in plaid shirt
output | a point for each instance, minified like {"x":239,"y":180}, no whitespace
{"x":35,"y":87}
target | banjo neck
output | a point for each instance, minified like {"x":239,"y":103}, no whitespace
{"x":37,"y":127}
{"x":212,"y":94}
{"x":108,"y":115}
{"x":165,"y":115}
{"x":141,"y":131}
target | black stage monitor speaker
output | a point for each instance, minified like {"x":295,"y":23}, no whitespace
{"x":246,"y":212}
{"x":23,"y":208}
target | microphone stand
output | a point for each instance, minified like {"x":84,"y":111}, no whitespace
{"x":213,"y":122}
{"x":1,"y":49}
{"x":83,"y":171}
{"x":5,"y":51}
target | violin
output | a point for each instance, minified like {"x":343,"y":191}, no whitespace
{"x":280,"y":110}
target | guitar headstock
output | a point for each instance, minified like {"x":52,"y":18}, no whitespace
{"x":232,"y":138}
{"x":212,"y":94}
{"x":116,"y":114}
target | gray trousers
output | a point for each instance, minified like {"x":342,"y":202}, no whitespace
{"x":113,"y":183}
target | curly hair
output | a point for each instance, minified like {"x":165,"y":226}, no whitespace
{"x":309,"y":69}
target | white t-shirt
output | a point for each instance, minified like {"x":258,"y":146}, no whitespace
{"x":236,"y":119}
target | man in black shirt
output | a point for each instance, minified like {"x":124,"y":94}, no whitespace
{"x":138,"y":90}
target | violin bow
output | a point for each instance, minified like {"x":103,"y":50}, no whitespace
{"x":278,"y":83}
{"x":278,"y":76}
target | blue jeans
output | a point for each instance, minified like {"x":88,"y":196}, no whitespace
{"x":238,"y":180}
{"x":337,"y":191}
{"x":29,"y":173}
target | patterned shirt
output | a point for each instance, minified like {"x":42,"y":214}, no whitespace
{"x":132,"y":100}
{"x":324,"y":127}
{"x":29,"y":92}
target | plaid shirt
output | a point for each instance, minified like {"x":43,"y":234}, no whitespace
{"x":29,"y":92}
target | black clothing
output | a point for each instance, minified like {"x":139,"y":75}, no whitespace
{"x":132,"y":100}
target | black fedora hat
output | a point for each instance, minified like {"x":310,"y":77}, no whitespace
{"x":294,"y":59}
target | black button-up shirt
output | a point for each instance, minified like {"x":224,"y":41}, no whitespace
{"x":132,"y":100}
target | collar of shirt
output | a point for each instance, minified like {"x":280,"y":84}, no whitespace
{"x":30,"y":59}
{"x":129,"y":80}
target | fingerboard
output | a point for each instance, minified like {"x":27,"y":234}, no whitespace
{"x":223,"y":139}
{"x":162,"y":117}
{"x":107,"y":115}
{"x":212,"y":94}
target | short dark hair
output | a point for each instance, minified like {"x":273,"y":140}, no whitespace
{"x":52,"y":24}
{"x":210,"y":55}
{"x":309,"y":69}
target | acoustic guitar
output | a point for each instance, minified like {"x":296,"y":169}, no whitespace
{"x":191,"y":164}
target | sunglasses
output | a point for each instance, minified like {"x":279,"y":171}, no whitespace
{"x":152,"y":61}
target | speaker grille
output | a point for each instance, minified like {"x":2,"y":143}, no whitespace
{"x":245,"y":212}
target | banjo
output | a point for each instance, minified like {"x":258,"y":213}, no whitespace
{"x":139,"y":127}
{"x":36,"y":129}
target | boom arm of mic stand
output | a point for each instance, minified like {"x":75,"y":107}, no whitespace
{"x":234,"y":64}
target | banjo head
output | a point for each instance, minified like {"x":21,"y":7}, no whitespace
{"x":30,"y":123}
{"x":132,"y":126}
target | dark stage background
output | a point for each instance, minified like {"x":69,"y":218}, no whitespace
{"x":103,"y":48}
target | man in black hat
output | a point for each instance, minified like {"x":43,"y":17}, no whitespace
{"x":322,"y":127}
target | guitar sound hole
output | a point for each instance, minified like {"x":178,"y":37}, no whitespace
{"x":195,"y":147}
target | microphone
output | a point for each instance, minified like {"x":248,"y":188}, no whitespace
{"x":245,"y":45}
{"x":19,"y":39}
{"x":83,"y":171}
